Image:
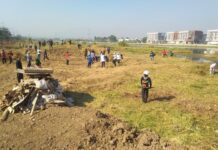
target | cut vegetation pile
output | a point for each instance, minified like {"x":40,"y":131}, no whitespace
{"x":34,"y":93}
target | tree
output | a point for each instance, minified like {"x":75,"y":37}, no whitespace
{"x":144,"y":39}
{"x":5,"y":34}
{"x":112,"y":38}
{"x":123,"y":44}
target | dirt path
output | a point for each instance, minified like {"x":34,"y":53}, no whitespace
{"x":75,"y":128}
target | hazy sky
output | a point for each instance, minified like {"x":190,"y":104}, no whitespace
{"x":89,"y":18}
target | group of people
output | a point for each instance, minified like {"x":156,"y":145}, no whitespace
{"x":166,"y":53}
{"x":117,"y":57}
{"x":29,"y":58}
{"x":104,"y":56}
{"x":6,"y":56}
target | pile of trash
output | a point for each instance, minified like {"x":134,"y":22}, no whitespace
{"x":34,"y":93}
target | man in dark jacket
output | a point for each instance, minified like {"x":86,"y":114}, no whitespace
{"x":45,"y":55}
{"x":146,"y":84}
{"x":19,"y":67}
{"x":152,"y":54}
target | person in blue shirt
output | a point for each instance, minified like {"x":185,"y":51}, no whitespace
{"x":89,"y":59}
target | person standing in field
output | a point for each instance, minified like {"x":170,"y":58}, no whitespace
{"x":85,"y":53}
{"x":93,"y":56}
{"x":108,"y":50}
{"x":3,"y":55}
{"x":118,"y":58}
{"x":67,"y":57}
{"x":164,"y":53}
{"x":45,"y":55}
{"x":103,"y":59}
{"x":115,"y":59}
{"x":35,"y":47}
{"x":152,"y":54}
{"x":29,"y":59}
{"x":89,"y":59}
{"x":10,"y":56}
{"x":171,"y":53}
{"x":146,"y":84}
{"x":38,"y":54}
{"x":38,"y":63}
{"x":213,"y":68}
{"x":19,"y":67}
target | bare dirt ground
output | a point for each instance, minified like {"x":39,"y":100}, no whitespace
{"x":75,"y":128}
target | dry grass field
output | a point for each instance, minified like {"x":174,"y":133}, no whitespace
{"x":182,"y":107}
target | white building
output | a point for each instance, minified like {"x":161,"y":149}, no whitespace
{"x":190,"y":37}
{"x":171,"y":37}
{"x":183,"y":37}
{"x":212,"y":37}
{"x":156,"y":38}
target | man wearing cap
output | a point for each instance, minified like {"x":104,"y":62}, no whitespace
{"x":146,"y":84}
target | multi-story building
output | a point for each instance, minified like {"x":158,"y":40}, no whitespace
{"x":212,"y":37}
{"x":156,"y":38}
{"x":190,"y":37}
{"x":171,"y":37}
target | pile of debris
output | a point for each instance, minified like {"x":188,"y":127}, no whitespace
{"x":34,"y":93}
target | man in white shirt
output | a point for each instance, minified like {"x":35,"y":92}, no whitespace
{"x":118,"y":58}
{"x":102,"y":58}
{"x":115,"y":59}
{"x":38,"y":53}
{"x":213,"y":68}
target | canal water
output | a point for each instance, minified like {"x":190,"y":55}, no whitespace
{"x":200,"y":55}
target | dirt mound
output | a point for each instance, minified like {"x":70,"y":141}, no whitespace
{"x":106,"y":132}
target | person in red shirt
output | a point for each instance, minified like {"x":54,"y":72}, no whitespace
{"x":164,"y":53}
{"x":67,"y":57}
{"x":10,"y":56}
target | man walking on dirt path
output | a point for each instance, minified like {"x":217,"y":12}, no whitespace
{"x":19,"y":67}
{"x":3,"y":55}
{"x":45,"y":55}
{"x":146,"y":84}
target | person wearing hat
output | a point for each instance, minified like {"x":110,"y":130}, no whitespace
{"x":146,"y":84}
{"x":213,"y":68}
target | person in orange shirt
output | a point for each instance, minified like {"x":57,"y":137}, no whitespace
{"x":67,"y":57}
